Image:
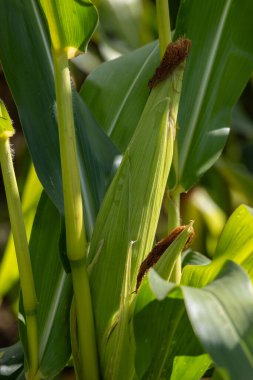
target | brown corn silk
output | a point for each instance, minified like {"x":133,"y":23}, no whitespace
{"x":175,"y":53}
{"x":158,"y":251}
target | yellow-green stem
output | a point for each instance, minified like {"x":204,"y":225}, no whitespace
{"x":22,"y":253}
{"x":163,"y":20}
{"x":75,"y":233}
{"x":174,"y":221}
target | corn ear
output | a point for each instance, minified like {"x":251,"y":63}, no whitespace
{"x":131,"y":208}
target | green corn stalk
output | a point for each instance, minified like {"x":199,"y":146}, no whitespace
{"x":20,"y":241}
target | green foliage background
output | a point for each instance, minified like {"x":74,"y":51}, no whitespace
{"x":214,"y":194}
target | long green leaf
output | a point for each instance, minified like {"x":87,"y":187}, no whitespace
{"x":219,"y":66}
{"x":32,"y":85}
{"x":117,"y":91}
{"x":54,"y":290}
{"x":162,"y":332}
{"x":222,"y":317}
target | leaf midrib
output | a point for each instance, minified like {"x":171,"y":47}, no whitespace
{"x":125,"y":98}
{"x":241,"y":342}
{"x":185,"y":148}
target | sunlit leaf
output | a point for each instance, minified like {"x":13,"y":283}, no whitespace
{"x":235,"y":243}
{"x":71,"y":24}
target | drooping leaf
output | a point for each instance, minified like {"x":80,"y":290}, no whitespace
{"x":235,"y":243}
{"x":190,"y":257}
{"x":53,"y":288}
{"x":162,"y":332}
{"x":32,"y":84}
{"x":222,"y":318}
{"x":71,"y":24}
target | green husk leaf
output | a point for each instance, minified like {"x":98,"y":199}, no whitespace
{"x":131,"y":208}
{"x":165,"y":264}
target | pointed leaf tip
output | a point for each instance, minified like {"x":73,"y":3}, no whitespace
{"x":6,"y":128}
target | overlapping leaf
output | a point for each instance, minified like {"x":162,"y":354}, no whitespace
{"x":53,"y":288}
{"x":219,"y":66}
{"x":235,"y":243}
{"x":28,"y":69}
{"x":162,"y":331}
{"x":222,"y":318}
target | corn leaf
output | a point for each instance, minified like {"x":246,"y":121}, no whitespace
{"x":220,"y":63}
{"x":222,"y":317}
{"x":162,"y":332}
{"x":235,"y":243}
{"x":71,"y":24}
{"x":53,"y":288}
{"x":190,"y":367}
{"x":32,"y":85}
{"x":116,"y":108}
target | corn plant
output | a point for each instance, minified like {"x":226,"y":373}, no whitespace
{"x":97,"y":293}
